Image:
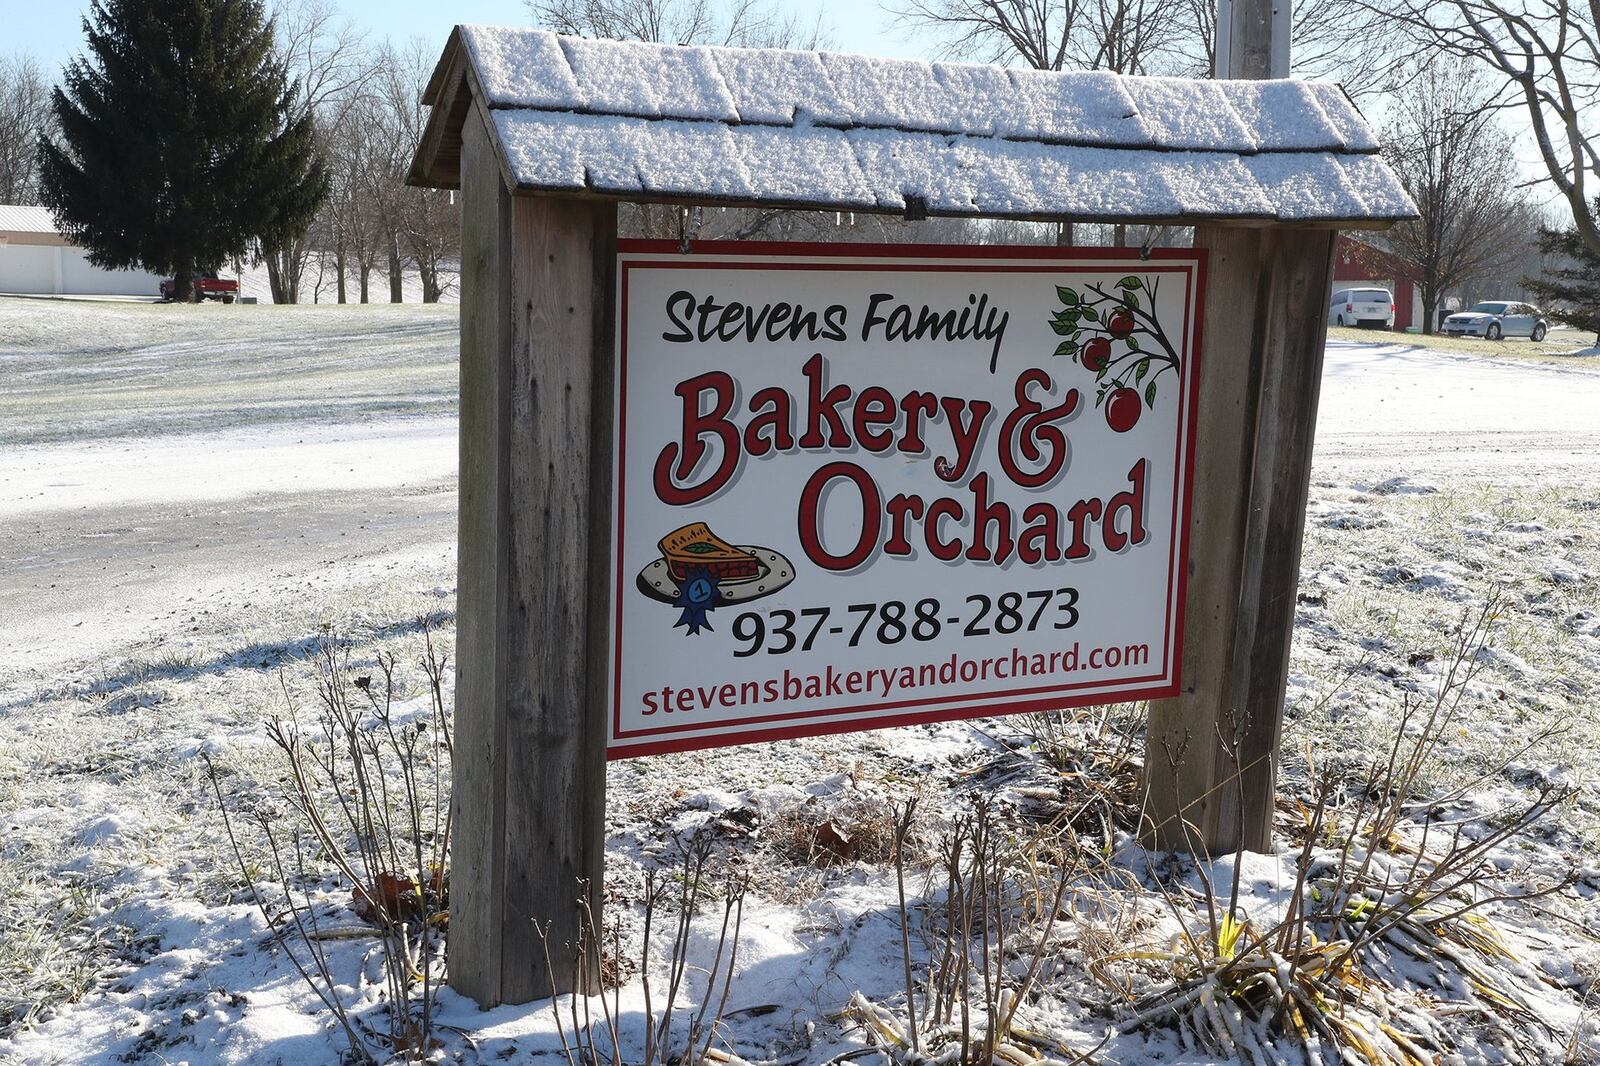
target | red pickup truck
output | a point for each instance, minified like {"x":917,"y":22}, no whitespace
{"x":206,"y":287}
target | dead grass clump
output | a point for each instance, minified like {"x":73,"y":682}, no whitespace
{"x":1383,"y":907}
{"x":1389,"y":949}
{"x":993,"y":917}
{"x":856,"y":829}
{"x":1097,"y":756}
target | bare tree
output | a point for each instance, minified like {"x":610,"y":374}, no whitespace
{"x":746,"y":23}
{"x":1041,"y":33}
{"x":25,"y":116}
{"x":1133,"y":36}
{"x":330,"y":62}
{"x":1338,"y":39}
{"x":1546,"y":54}
{"x":740,"y":23}
{"x":1345,"y":41}
{"x":423,"y":225}
{"x":350,"y":229}
{"x":1448,"y":150}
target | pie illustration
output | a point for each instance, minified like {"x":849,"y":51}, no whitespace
{"x":695,"y":547}
{"x":698,"y":572}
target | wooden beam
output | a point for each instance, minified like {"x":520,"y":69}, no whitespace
{"x":437,"y":162}
{"x":1211,"y":753}
{"x":477,"y":847}
{"x":1184,"y":761}
{"x":1298,"y":265}
{"x":536,"y":403}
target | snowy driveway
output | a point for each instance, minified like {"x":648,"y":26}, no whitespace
{"x":1399,"y":410}
{"x":116,"y":541}
{"x":109,"y":543}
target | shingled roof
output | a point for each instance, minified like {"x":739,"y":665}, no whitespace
{"x":773,"y":127}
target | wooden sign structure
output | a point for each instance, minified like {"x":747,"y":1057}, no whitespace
{"x":577,"y":564}
{"x":956,"y":483}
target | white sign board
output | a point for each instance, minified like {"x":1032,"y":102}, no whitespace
{"x":862,"y":486}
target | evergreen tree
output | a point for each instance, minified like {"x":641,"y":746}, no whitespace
{"x":177,"y":146}
{"x":1570,"y":293}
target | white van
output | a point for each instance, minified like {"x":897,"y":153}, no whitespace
{"x":1362,"y":307}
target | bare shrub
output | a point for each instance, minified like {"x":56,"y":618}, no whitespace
{"x":368,"y":785}
{"x":1382,"y":897}
{"x":991,"y":928}
{"x":693,"y":888}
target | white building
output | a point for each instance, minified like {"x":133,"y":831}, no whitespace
{"x":36,"y":258}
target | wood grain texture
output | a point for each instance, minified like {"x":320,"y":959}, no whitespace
{"x":1183,"y":761}
{"x":1211,"y":753}
{"x":477,"y":851}
{"x":1299,"y":267}
{"x":537,"y":311}
{"x":563,"y":255}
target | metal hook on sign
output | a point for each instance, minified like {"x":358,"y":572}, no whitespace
{"x":688,"y":224}
{"x":1151,"y":237}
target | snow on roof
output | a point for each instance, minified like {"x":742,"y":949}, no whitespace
{"x":820,"y":129}
{"x":17,"y":219}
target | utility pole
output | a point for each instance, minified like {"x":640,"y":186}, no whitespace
{"x":1253,"y":38}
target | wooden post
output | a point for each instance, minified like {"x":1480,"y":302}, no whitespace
{"x":536,"y":408}
{"x":1184,"y":759}
{"x":1211,"y":753}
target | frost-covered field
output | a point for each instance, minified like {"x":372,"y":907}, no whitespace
{"x":188,"y":496}
{"x":78,"y":370}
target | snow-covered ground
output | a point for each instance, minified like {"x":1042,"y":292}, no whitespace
{"x":188,"y":496}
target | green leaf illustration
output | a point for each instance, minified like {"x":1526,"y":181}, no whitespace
{"x":1067,"y":348}
{"x":1091,"y":314}
{"x":1133,"y":344}
{"x":1143,"y":369}
{"x":1129,"y":282}
{"x":1150,"y":394}
{"x":1131,"y":300}
{"x":1062,"y":328}
{"x":1068,"y":296}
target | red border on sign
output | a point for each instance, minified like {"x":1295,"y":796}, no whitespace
{"x":1189,"y":262}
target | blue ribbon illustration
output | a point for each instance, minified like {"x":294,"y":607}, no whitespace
{"x":697,"y":595}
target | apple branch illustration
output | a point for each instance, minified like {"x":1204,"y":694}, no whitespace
{"x":1096,"y":323}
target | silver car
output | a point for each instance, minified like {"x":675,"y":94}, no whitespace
{"x":1494,"y":319}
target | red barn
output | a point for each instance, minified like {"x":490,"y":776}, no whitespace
{"x":1359,"y":263}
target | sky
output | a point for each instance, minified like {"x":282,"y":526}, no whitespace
{"x":51,"y":30}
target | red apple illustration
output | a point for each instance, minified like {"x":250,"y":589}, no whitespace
{"x":1096,"y":354}
{"x":1121,"y":323}
{"x":1122,"y":410}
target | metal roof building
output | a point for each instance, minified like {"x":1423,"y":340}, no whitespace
{"x":35,"y":259}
